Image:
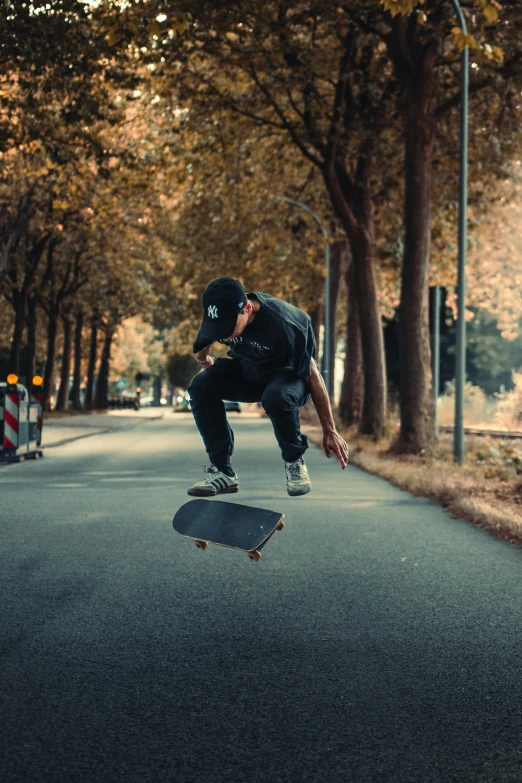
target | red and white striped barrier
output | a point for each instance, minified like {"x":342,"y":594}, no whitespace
{"x":11,"y":414}
{"x":20,"y":429}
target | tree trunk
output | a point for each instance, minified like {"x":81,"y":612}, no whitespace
{"x":20,"y":297}
{"x":355,"y":209}
{"x":336,"y":259}
{"x":31,"y":341}
{"x":372,"y":343}
{"x":76,"y":403}
{"x":156,"y":390}
{"x":62,"y":399}
{"x":5,"y":257}
{"x":49,"y":363}
{"x":102,"y":385}
{"x":19,"y":304}
{"x":354,"y":206}
{"x":352,"y":390}
{"x":416,"y":402}
{"x":15,"y":231}
{"x":89,"y":390}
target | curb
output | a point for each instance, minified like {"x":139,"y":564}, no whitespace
{"x":99,"y":432}
{"x":64,"y":441}
{"x":77,"y":437}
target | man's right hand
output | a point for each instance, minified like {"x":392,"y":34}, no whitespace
{"x":204,"y":359}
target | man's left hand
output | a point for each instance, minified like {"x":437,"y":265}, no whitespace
{"x":334,"y":444}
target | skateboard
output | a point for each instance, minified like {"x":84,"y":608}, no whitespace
{"x":232,"y":525}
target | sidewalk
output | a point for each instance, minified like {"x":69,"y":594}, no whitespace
{"x":58,"y":430}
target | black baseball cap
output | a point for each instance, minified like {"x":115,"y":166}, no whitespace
{"x":224,"y":299}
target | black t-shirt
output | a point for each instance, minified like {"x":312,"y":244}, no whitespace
{"x":279,"y":337}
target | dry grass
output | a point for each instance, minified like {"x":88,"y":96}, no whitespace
{"x":502,"y":411}
{"x":486,"y":491}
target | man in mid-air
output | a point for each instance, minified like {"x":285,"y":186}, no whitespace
{"x":272,"y":360}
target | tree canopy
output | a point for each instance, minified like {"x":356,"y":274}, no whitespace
{"x":143,"y":148}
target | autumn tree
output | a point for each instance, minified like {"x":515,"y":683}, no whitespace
{"x":78,"y":188}
{"x":423,"y":44}
{"x":364,"y":93}
{"x":301,"y":74}
{"x":51,"y":91}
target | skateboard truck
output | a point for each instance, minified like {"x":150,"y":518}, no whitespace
{"x":230,"y":525}
{"x":254,"y":554}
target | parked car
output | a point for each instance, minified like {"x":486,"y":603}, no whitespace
{"x":232,"y":406}
{"x":182,"y":402}
{"x":148,"y":402}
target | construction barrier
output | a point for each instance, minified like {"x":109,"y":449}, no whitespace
{"x":37,"y":396}
{"x":20,"y":424}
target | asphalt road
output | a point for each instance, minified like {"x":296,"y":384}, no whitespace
{"x":378,"y":639}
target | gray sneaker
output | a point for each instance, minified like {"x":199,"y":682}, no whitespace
{"x":297,"y":478}
{"x":215,"y":483}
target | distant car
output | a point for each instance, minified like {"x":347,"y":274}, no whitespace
{"x":232,"y":406}
{"x":148,"y":402}
{"x":181,"y":401}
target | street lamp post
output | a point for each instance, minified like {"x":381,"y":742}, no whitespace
{"x":460,"y":363}
{"x":326,"y":369}
{"x":435,"y":354}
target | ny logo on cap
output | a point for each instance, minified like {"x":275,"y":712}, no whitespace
{"x":212,"y":311}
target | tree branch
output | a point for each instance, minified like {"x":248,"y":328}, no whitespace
{"x":360,"y":22}
{"x":340,"y":90}
{"x":234,"y":106}
{"x":286,"y":124}
{"x":506,"y":72}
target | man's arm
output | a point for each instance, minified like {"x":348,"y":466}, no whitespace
{"x":332,"y":441}
{"x":320,"y":398}
{"x":203,"y":357}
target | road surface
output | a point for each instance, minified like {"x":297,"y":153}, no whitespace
{"x":378,"y":639}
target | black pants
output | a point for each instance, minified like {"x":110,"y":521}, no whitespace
{"x":281,"y":393}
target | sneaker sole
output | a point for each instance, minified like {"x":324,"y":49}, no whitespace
{"x":203,"y":493}
{"x":302,"y":491}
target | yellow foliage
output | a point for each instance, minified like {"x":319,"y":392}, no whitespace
{"x":490,"y":14}
{"x":179,"y":25}
{"x":489,"y":10}
{"x":494,"y":53}
{"x":460,"y":41}
{"x":114,"y":36}
{"x":403,"y":7}
{"x":154,"y":28}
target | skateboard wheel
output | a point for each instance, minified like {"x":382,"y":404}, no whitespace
{"x":280,"y":525}
{"x":201,"y":544}
{"x":255,"y":555}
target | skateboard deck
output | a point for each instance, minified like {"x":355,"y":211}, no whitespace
{"x":231,"y":525}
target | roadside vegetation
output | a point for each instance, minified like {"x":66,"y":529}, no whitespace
{"x":486,"y":490}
